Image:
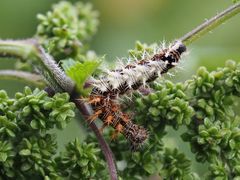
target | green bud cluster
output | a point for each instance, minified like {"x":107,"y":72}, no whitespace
{"x":8,"y":124}
{"x":167,"y":105}
{"x":7,"y":155}
{"x":63,"y":30}
{"x":176,"y":166}
{"x":214,"y":130}
{"x":29,"y":151}
{"x":35,"y":156}
{"x":142,"y":48}
{"x":134,"y":165}
{"x":81,"y":161}
{"x":38,"y":111}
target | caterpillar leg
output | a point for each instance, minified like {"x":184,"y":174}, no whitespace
{"x":94,"y":116}
{"x":125,"y":117}
{"x":94,"y":100}
{"x":108,"y":120}
{"x":118,"y":129}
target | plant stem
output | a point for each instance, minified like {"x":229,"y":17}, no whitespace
{"x":86,"y":111}
{"x":30,"y":50}
{"x":22,"y":49}
{"x":210,"y":24}
{"x":26,"y":77}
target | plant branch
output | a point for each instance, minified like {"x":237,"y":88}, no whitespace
{"x":26,"y":77}
{"x":45,"y":65}
{"x":210,"y":24}
{"x":86,"y":111}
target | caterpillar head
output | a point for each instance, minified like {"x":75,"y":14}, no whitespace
{"x":173,"y":53}
{"x":179,"y":47}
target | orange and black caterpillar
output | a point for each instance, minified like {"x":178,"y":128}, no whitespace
{"x":107,"y":89}
{"x":110,"y":113}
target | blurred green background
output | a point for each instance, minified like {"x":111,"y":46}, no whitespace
{"x":121,"y":24}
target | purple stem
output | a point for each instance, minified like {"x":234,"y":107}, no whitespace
{"x":86,"y":111}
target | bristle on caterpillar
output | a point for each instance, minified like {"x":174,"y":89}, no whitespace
{"x":107,"y":89}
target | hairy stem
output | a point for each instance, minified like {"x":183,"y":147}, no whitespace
{"x":210,"y":24}
{"x":26,"y":77}
{"x":45,"y":65}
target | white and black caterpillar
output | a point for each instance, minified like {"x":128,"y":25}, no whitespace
{"x":108,"y":88}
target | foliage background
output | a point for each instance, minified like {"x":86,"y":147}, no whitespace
{"x":124,"y":22}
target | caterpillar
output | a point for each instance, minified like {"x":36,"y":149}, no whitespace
{"x":140,"y":72}
{"x":110,"y":113}
{"x":108,"y":88}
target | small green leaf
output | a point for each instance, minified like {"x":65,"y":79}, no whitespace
{"x":25,"y":166}
{"x":83,"y":162}
{"x":34,"y":124}
{"x":79,"y":72}
{"x":150,"y":168}
{"x":25,"y":152}
{"x":154,"y":111}
{"x":3,"y":157}
{"x":26,"y":111}
{"x":10,"y":133}
{"x":232,"y":144}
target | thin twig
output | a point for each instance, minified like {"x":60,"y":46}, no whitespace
{"x":210,"y":24}
{"x":26,"y":77}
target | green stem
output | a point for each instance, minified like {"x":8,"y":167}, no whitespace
{"x":43,"y":62}
{"x":26,"y":77}
{"x":210,"y":24}
{"x":19,"y":49}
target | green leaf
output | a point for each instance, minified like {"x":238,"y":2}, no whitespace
{"x":25,"y":152}
{"x":3,"y":157}
{"x":83,"y":162}
{"x":26,"y":111}
{"x":150,"y":168}
{"x":154,"y":111}
{"x":34,"y":124}
{"x":79,"y":72}
{"x":10,"y":133}
{"x":232,"y":144}
{"x":25,"y":167}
